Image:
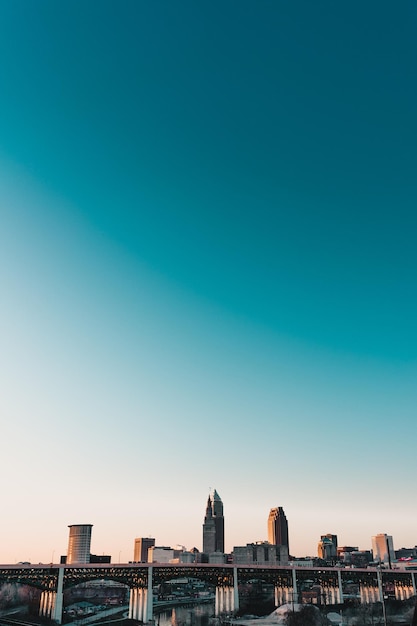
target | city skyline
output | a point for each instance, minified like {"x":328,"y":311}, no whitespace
{"x":207,"y":271}
{"x":80,"y":535}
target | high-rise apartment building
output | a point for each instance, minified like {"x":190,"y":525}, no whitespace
{"x":213,"y":527}
{"x":142,"y":545}
{"x":79,"y":543}
{"x":383,"y":548}
{"x":278,"y":528}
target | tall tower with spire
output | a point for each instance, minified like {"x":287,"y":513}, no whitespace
{"x":278,"y":528}
{"x":213,"y":527}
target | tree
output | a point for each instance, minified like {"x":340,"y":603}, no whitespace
{"x":308,"y":615}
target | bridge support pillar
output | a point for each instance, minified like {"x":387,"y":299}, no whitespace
{"x":364,"y":594}
{"x":331,"y":595}
{"x":59,"y":598}
{"x":371,"y":594}
{"x":149,"y":599}
{"x":47,"y":603}
{"x":225,"y":600}
{"x":138,"y":604}
{"x":281,"y":595}
{"x":218,"y":603}
{"x":141,"y":601}
{"x":399,"y":592}
{"x":403,"y":592}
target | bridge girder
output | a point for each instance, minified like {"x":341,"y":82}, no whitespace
{"x":45,"y":579}
{"x":136,"y":576}
{"x":279,"y":578}
{"x":129,"y":576}
{"x":216,"y":575}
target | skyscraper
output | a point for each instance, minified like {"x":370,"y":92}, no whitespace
{"x":79,"y":543}
{"x":333,"y":539}
{"x":213,"y":527}
{"x":142,"y":545}
{"x":278,"y":528}
{"x":326,"y":548}
{"x":383,"y":548}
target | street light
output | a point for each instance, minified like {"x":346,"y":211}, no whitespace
{"x":384,"y":612}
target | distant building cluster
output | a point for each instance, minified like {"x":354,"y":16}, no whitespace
{"x":273,"y":552}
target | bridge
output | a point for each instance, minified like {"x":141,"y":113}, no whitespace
{"x":335,"y":584}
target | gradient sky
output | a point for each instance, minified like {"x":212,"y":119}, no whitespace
{"x":208,"y":271}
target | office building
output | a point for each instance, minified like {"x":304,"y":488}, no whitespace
{"x":213,"y":527}
{"x":383,"y":548}
{"x":160,"y":554}
{"x":79,"y":543}
{"x":260,"y":553}
{"x":333,"y":539}
{"x":326,"y":549}
{"x":406,"y":553}
{"x":142,"y":545}
{"x":278,"y":528}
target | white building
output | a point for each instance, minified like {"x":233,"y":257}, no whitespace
{"x":160,"y":554}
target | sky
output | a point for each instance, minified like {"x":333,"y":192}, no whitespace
{"x":208,"y":271}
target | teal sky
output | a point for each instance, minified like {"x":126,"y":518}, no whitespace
{"x":208,"y":270}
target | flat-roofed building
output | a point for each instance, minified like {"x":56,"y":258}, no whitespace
{"x":142,"y":545}
{"x":383,"y":548}
{"x":261,"y":553}
{"x":160,"y":554}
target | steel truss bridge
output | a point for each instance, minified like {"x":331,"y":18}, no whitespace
{"x":335,"y":585}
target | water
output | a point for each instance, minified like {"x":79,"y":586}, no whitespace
{"x":189,"y":615}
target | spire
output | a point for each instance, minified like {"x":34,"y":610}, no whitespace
{"x":215,"y":496}
{"x":209,"y":508}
